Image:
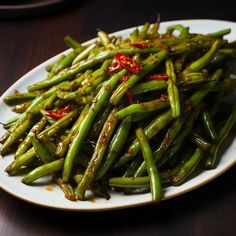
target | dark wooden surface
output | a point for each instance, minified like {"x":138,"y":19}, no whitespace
{"x":26,"y":42}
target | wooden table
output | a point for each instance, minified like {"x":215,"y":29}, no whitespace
{"x":26,"y":42}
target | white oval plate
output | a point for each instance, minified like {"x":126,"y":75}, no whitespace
{"x":51,"y":196}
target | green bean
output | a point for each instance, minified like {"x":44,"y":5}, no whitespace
{"x":60,"y":124}
{"x":82,"y":55}
{"x":155,"y":183}
{"x":137,"y":58}
{"x":139,"y":182}
{"x":227,"y":84}
{"x":188,"y":167}
{"x":102,"y":143}
{"x":26,"y":143}
{"x":20,"y":161}
{"x":52,"y":67}
{"x":78,"y":176}
{"x":200,"y":94}
{"x":100,"y":190}
{"x":200,"y":141}
{"x":179,"y":63}
{"x":168,"y":40}
{"x":176,"y":164}
{"x":14,"y":136}
{"x":130,"y":171}
{"x":64,"y":145}
{"x":11,"y":136}
{"x":156,"y":85}
{"x":204,"y":60}
{"x":150,"y":131}
{"x":183,"y":31}
{"x":19,"y":97}
{"x":130,"y":182}
{"x":71,"y":42}
{"x":49,"y":119}
{"x":50,"y":101}
{"x":44,"y":155}
{"x":223,"y":134}
{"x":43,"y":170}
{"x":143,"y":182}
{"x":63,"y":63}
{"x":134,"y":36}
{"x":9,"y":131}
{"x":195,"y":76}
{"x":189,"y":47}
{"x":35,"y":162}
{"x":67,"y":73}
{"x":148,"y":86}
{"x":153,"y":32}
{"x":74,"y":84}
{"x":168,"y":139}
{"x":115,"y":147}
{"x":98,"y":154}
{"x":97,"y":73}
{"x":66,"y":188}
{"x":217,"y":60}
{"x":172,"y":89}
{"x":21,"y":108}
{"x":51,"y":146}
{"x":141,"y":116}
{"x":220,"y":33}
{"x":143,"y":31}
{"x":67,"y":61}
{"x":96,"y":51}
{"x":97,"y":77}
{"x":99,"y":121}
{"x":83,"y":100}
{"x":154,"y":105}
{"x":10,"y":122}
{"x":172,"y":132}
{"x":149,"y":64}
{"x":227,"y":51}
{"x":105,"y":40}
{"x":180,"y":138}
{"x":208,"y":125}
{"x":101,"y":97}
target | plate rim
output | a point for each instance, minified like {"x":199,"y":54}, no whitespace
{"x":219,"y":171}
{"x":26,"y":6}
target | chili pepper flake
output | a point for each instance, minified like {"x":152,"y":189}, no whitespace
{"x":157,"y":77}
{"x":58,"y":114}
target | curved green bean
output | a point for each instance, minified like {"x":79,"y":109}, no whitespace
{"x":155,"y":183}
{"x":154,"y":105}
{"x":96,"y":159}
{"x":115,"y":146}
{"x":99,"y":100}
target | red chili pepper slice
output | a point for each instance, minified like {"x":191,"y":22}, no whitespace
{"x":140,"y":45}
{"x":157,"y":77}
{"x":54,"y":115}
{"x":59,"y":113}
{"x":114,"y":67}
{"x":126,"y":62}
{"x":124,"y":78}
{"x":130,"y":97}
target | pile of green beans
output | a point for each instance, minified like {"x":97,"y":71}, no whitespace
{"x":94,"y":129}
